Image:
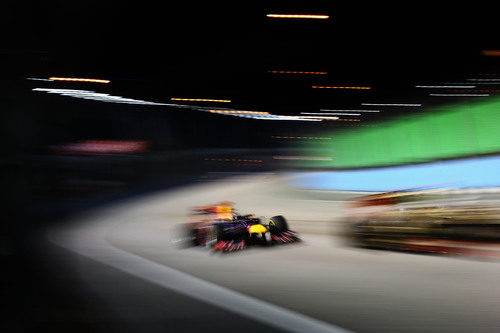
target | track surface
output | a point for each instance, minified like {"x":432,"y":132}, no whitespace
{"x":332,"y":285}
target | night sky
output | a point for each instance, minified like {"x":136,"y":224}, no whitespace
{"x":158,"y":50}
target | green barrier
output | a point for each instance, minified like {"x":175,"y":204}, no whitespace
{"x":443,"y":132}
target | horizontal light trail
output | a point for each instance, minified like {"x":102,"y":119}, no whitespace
{"x":319,"y":117}
{"x":299,"y":16}
{"x":238,"y":112}
{"x":341,"y":87}
{"x":297,"y":72}
{"x":332,"y":113}
{"x":87,"y":94}
{"x":78,"y":79}
{"x":91,"y":95}
{"x":37,"y":79}
{"x":392,"y":104}
{"x":475,"y":91}
{"x":491,"y":53}
{"x":477,"y":82}
{"x":200,"y":100}
{"x":328,"y":118}
{"x":330,"y":110}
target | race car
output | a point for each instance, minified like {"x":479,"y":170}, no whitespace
{"x":442,"y":221}
{"x":221,"y":228}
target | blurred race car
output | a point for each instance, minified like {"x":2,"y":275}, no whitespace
{"x":221,"y":228}
{"x":444,"y":220}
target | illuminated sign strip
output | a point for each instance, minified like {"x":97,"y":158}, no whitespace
{"x":299,"y":16}
{"x":78,"y":79}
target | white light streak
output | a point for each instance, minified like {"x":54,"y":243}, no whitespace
{"x":476,"y":82}
{"x":319,"y":117}
{"x":91,"y":95}
{"x":102,"y":97}
{"x":37,"y":79}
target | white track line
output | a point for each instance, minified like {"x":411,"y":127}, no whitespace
{"x":89,"y":240}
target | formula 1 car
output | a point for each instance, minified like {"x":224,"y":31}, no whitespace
{"x":221,"y":228}
{"x":441,"y":221}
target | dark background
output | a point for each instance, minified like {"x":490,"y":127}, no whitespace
{"x":155,"y":51}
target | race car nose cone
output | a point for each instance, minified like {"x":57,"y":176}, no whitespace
{"x":257,"y":229}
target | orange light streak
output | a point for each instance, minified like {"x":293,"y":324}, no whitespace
{"x":299,"y":16}
{"x":78,"y":79}
{"x":491,"y":53}
{"x":201,"y":100}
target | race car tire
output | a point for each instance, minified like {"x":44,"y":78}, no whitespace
{"x":278,"y":222}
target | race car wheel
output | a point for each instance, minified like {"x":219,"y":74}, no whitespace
{"x":279,"y":223}
{"x":267,"y":238}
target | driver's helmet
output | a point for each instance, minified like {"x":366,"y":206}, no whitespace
{"x":224,"y":210}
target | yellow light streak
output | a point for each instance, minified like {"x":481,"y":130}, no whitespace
{"x":341,"y":87}
{"x":299,"y":16}
{"x":201,"y":100}
{"x":78,"y":79}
